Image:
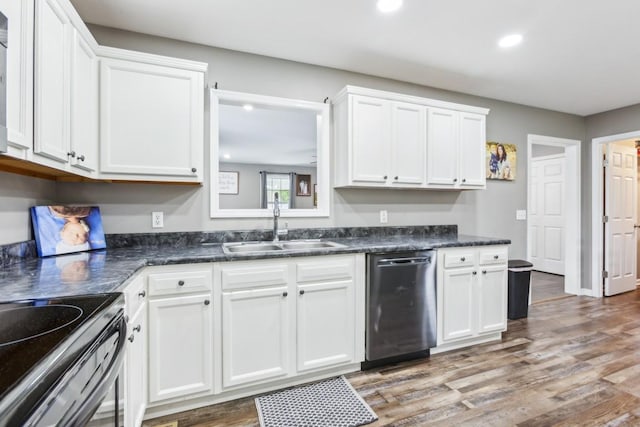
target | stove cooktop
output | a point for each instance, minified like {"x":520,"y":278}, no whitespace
{"x":41,"y":338}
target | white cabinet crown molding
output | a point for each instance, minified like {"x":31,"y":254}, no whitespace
{"x":392,"y":96}
{"x":152,"y":59}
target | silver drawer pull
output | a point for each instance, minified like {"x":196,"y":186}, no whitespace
{"x":496,"y":256}
{"x":463,"y":259}
{"x":181,"y":283}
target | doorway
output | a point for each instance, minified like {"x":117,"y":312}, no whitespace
{"x":553,"y":206}
{"x":613,"y":214}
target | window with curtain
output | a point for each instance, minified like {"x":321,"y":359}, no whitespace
{"x":278,"y":183}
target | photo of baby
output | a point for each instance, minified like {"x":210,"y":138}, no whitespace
{"x":67,"y":229}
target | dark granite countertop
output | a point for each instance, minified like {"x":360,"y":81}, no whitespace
{"x":108,"y":270}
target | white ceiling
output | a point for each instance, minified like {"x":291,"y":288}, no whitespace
{"x":578,"y":56}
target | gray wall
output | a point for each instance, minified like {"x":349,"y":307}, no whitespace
{"x":127,"y":207}
{"x":17,"y":194}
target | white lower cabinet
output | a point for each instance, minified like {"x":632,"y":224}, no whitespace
{"x":325,"y":340}
{"x":472,"y":296}
{"x":135,"y":369}
{"x":284,"y":319}
{"x":180,"y":333}
{"x":255,"y":335}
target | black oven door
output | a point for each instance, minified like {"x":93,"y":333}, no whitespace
{"x":82,"y":392}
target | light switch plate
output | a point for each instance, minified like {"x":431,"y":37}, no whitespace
{"x":521,"y":215}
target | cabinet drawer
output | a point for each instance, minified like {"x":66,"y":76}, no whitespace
{"x":324,"y":269}
{"x":243,"y":277}
{"x":493,"y":256}
{"x":179,"y":282}
{"x":135,"y":295}
{"x":459,"y":259}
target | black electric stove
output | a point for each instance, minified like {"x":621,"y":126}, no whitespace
{"x":58,"y":357}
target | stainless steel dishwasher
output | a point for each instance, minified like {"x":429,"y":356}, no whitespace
{"x":401,"y":306}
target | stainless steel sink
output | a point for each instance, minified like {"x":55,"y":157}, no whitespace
{"x":309,"y":244}
{"x":265,"y":247}
{"x":244,"y":247}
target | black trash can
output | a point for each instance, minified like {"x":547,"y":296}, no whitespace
{"x":519,"y":280}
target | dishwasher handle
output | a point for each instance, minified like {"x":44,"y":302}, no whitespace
{"x":390,"y":262}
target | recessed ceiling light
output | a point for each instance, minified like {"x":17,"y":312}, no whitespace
{"x":226,"y":156}
{"x":510,"y":40}
{"x":388,"y":6}
{"x":248,"y":107}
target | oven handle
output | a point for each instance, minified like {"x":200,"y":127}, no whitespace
{"x":91,"y":404}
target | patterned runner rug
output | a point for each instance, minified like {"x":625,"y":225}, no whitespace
{"x":329,"y":403}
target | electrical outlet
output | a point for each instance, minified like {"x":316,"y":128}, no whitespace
{"x":384,"y":217}
{"x":157,"y":219}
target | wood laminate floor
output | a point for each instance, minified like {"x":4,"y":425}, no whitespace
{"x":573,"y":361}
{"x":545,"y":286}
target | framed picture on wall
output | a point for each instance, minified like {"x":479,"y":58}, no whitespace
{"x":228,"y":182}
{"x":501,"y":161}
{"x":303,"y":185}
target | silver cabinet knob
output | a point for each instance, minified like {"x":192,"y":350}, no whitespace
{"x":463,"y":259}
{"x":142,"y":294}
{"x":464,"y":179}
{"x":395,"y":177}
{"x":71,"y":154}
{"x":194,"y":170}
{"x":131,"y":338}
{"x":474,"y":273}
{"x":301,"y":291}
{"x":181,"y":283}
{"x":496,"y":256}
{"x":81,"y":158}
{"x":384,"y":177}
{"x":207,"y":302}
{"x":284,"y":294}
{"x":484,"y":271}
{"x":455,"y":179}
{"x":137,"y":328}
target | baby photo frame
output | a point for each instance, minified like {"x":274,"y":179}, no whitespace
{"x":67,"y":229}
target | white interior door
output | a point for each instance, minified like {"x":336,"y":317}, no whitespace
{"x":547,"y":216}
{"x":620,"y":210}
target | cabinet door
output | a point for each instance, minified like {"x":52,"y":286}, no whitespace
{"x":135,"y":370}
{"x":492,"y":298}
{"x":409,"y":140}
{"x":370,"y":139}
{"x":255,"y":335}
{"x":19,"y":86}
{"x":442,"y":147}
{"x":84,"y":105}
{"x":180,"y":347}
{"x":458,"y":319}
{"x":151,"y":120}
{"x":52,"y":63}
{"x":472,"y":150}
{"x":325,"y":316}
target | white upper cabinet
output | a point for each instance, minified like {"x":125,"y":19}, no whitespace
{"x":84,"y":105}
{"x":408,"y":127}
{"x":385,"y":139}
{"x":471,"y":144}
{"x":65,"y":90}
{"x":442,"y":152}
{"x":52,"y":81}
{"x":370,"y":139}
{"x":151,"y":117}
{"x":19,"y":76}
{"x":456,"y":149}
